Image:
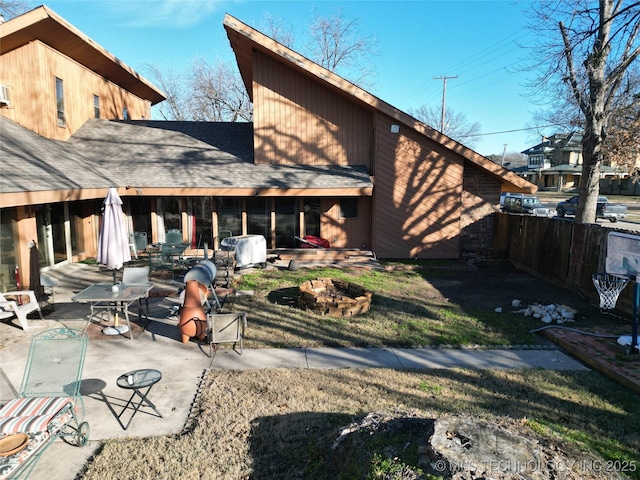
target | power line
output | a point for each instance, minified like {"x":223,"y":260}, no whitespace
{"x":516,"y":130}
{"x":472,"y":62}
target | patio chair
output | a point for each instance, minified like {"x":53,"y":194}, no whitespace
{"x":49,"y":397}
{"x":225,"y":328}
{"x":140,"y":241}
{"x":168,"y":258}
{"x":173,"y":237}
{"x":11,"y":304}
{"x":137,"y":276}
{"x":48,"y":290}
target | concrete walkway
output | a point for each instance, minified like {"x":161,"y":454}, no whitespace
{"x":183,"y":366}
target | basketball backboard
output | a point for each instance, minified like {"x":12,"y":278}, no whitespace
{"x":623,"y":254}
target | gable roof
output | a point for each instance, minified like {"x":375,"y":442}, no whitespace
{"x":566,"y":142}
{"x":43,"y":24}
{"x":245,"y":40}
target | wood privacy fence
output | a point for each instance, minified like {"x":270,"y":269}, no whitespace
{"x":560,"y":251}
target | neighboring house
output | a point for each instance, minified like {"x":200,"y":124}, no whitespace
{"x":556,"y":163}
{"x":322,"y":157}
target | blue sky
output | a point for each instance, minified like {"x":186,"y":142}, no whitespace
{"x":482,"y":42}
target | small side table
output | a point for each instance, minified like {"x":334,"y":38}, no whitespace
{"x":138,"y":380}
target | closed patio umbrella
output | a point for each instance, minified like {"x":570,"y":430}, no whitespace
{"x":113,"y":245}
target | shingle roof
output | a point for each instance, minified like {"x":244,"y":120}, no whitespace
{"x":32,"y":163}
{"x":158,"y":154}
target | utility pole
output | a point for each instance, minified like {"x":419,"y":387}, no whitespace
{"x":444,"y":97}
{"x":504,"y":153}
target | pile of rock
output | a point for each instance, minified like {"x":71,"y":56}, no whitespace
{"x":547,"y":313}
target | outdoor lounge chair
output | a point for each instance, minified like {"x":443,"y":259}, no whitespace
{"x":10,"y":305}
{"x":226,"y":328}
{"x":47,"y":405}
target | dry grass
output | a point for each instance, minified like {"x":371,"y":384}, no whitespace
{"x":281,"y":424}
{"x":410,"y":308}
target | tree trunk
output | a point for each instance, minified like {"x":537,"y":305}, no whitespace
{"x":596,"y":118}
{"x":590,"y":180}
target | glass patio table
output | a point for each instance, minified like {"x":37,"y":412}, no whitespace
{"x":102,"y":296}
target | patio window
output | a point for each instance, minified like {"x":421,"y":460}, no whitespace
{"x":287,"y":224}
{"x":202,"y":208}
{"x":8,"y":242}
{"x":259,"y":217}
{"x":312,"y":216}
{"x":229,"y":216}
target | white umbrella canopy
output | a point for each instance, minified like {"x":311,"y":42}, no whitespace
{"x":113,"y":244}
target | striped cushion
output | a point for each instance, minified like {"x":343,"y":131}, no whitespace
{"x":26,"y":415}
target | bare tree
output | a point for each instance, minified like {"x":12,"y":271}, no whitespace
{"x":587,"y":48}
{"x":208,"y":93}
{"x":217,"y":93}
{"x":275,"y":27}
{"x":172,"y":84}
{"x":622,"y":145}
{"x":336,"y":44}
{"x":13,"y":8}
{"x":457,"y":125}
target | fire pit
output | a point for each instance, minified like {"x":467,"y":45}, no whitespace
{"x":336,"y":298}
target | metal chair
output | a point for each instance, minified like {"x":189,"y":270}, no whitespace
{"x":140,"y":241}
{"x":225,"y":328}
{"x":173,"y":237}
{"x":49,"y":294}
{"x":137,"y":276}
{"x":48,"y":400}
{"x":11,"y":305}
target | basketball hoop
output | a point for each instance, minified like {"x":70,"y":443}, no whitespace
{"x":609,"y":287}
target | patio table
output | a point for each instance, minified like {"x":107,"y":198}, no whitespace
{"x":136,"y":381}
{"x":101,"y":296}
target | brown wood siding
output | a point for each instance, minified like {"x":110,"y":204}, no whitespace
{"x":417,"y":196}
{"x":30,"y":73}
{"x":346,"y":232}
{"x":298,"y":121}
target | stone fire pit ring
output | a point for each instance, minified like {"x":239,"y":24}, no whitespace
{"x":335,"y":298}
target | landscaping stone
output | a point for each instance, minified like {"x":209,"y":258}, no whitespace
{"x":335,"y":298}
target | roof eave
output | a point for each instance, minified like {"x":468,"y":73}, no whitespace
{"x":45,"y":25}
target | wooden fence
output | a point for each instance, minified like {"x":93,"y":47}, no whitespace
{"x":560,"y":251}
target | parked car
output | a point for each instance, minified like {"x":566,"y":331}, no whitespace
{"x":526,"y":204}
{"x":505,"y":195}
{"x":611,"y":211}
